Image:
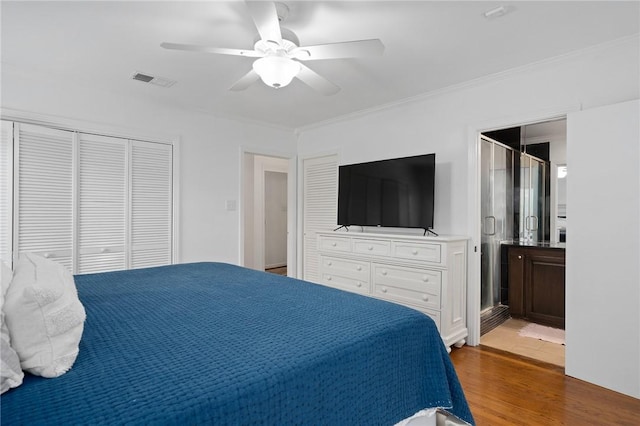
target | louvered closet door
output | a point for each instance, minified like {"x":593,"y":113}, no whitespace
{"x":320,"y":207}
{"x":151,"y":204}
{"x":44,"y":193}
{"x":6,"y":182}
{"x":102,"y":200}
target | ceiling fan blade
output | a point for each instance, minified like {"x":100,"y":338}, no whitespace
{"x":347,"y":49}
{"x":265,"y":17}
{"x":316,"y":81}
{"x":247,"y":80}
{"x":207,"y":49}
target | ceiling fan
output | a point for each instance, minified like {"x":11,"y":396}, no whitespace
{"x":280,"y":53}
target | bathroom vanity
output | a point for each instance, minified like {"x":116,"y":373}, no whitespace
{"x":536,"y":282}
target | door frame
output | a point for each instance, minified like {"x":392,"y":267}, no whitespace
{"x":262,"y":166}
{"x":474,"y":216}
{"x":291,"y":204}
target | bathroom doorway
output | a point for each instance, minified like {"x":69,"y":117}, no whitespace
{"x":522,"y":204}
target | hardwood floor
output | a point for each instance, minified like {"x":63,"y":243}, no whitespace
{"x":507,"y":389}
{"x":280,"y":270}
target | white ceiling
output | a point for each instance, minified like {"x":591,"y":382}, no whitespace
{"x":429,"y":45}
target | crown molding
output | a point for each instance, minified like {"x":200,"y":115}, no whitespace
{"x":480,"y":81}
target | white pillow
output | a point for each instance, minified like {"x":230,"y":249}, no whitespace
{"x":44,"y":316}
{"x":11,"y":374}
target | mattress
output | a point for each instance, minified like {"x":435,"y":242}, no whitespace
{"x":213,"y":343}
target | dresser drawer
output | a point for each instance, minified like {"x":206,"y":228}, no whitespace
{"x":377,"y":247}
{"x":356,"y":269}
{"x":341,"y":244}
{"x":342,"y":282}
{"x":417,"y":251}
{"x":421,"y":287}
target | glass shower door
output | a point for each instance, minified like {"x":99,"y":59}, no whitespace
{"x":496,"y":183}
{"x":486,"y":213}
{"x":532,"y":199}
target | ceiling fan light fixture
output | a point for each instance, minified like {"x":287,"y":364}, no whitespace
{"x":276,"y":71}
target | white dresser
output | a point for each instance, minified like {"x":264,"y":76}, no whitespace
{"x":425,"y":273}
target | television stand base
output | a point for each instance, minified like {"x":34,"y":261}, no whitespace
{"x":431,"y":232}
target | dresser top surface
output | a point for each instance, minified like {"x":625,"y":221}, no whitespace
{"x":394,"y":235}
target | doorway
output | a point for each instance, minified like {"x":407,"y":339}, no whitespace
{"x":522,"y":206}
{"x":275,"y":222}
{"x":267,"y":192}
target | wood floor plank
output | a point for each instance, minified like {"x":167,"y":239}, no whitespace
{"x":506,"y":389}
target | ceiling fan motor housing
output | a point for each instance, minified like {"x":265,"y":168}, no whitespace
{"x":289,"y":42}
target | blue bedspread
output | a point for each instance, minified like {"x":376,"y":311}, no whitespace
{"x":212,"y":343}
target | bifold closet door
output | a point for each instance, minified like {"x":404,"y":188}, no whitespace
{"x":320,"y":208}
{"x":151,"y":211}
{"x":44,"y":192}
{"x":92,"y":203}
{"x":102,"y":203}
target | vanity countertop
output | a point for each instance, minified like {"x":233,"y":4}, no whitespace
{"x":531,"y":244}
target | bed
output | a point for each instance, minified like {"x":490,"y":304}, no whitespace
{"x":214,"y":343}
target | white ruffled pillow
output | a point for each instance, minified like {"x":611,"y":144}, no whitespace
{"x":11,"y":374}
{"x":44,"y":316}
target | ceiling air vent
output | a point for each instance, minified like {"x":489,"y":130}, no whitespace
{"x":158,"y":81}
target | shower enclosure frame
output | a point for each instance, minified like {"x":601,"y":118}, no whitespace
{"x":497,"y":193}
{"x":512,"y":207}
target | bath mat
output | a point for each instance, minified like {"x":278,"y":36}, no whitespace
{"x":548,"y":334}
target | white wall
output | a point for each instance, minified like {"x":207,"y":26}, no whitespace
{"x":209,"y":150}
{"x":439,"y":122}
{"x":603,"y":248}
{"x":447,"y":123}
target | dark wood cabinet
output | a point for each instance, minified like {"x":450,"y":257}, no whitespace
{"x":537,"y":284}
{"x":516,"y":282}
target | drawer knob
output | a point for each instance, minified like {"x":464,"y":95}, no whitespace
{"x":329,"y":263}
{"x":46,"y":255}
{"x":329,"y":278}
{"x":359,"y":268}
{"x":383,"y":272}
{"x":425,"y":297}
{"x":414,"y":251}
{"x":519,"y":257}
{"x":359,"y":284}
{"x":333,"y":244}
{"x":384,"y":289}
{"x":425,"y":278}
{"x":370,"y":248}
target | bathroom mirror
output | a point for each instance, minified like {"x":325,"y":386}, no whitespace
{"x":561,"y":220}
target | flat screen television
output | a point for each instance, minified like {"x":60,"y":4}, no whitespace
{"x":398,"y":192}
